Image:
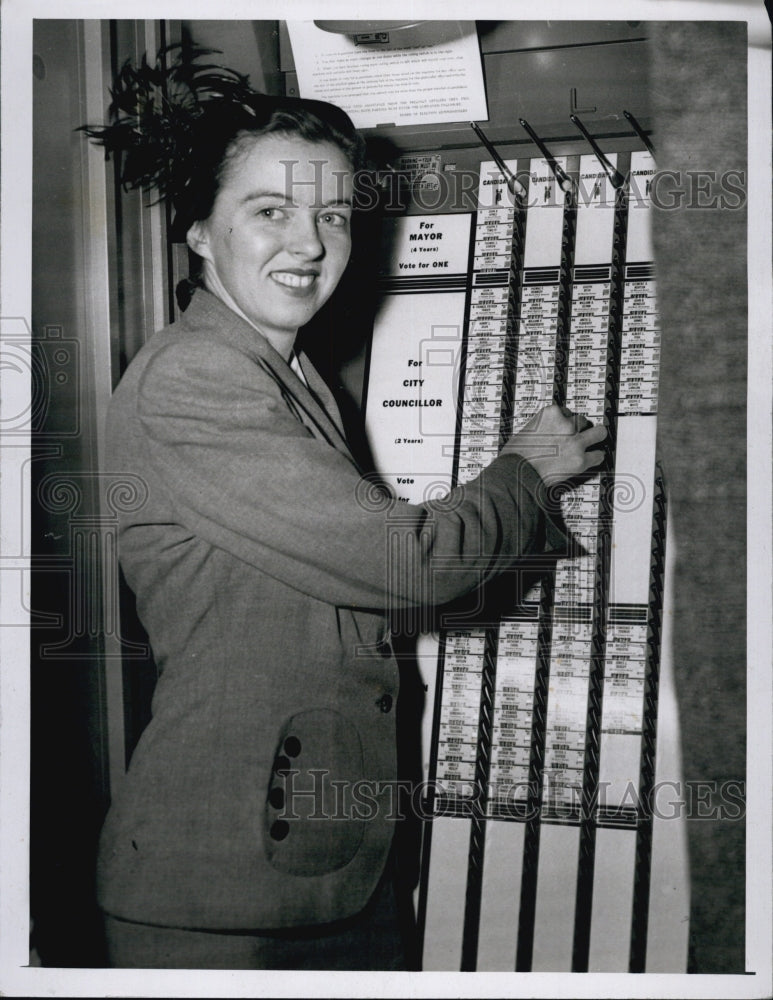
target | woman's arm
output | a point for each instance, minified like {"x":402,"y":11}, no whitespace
{"x":249,"y":477}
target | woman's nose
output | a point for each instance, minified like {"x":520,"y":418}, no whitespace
{"x":304,"y":237}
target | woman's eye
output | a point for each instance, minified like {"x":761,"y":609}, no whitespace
{"x":270,"y":213}
{"x":333,"y":219}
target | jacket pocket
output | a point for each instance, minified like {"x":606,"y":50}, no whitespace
{"x":310,"y":826}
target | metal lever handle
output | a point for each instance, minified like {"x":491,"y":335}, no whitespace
{"x":611,"y":171}
{"x":513,"y":184}
{"x":565,"y":182}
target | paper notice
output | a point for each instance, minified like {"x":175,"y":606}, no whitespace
{"x":430,"y":73}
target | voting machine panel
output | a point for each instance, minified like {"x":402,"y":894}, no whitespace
{"x":547,"y":845}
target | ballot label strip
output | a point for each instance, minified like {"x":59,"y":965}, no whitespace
{"x":550,"y":333}
{"x":597,"y":397}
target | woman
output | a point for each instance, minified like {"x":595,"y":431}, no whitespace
{"x":254,"y":826}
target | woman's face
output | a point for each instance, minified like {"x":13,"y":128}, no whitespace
{"x":278,"y":238}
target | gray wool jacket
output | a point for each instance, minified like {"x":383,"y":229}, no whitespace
{"x":259,"y":794}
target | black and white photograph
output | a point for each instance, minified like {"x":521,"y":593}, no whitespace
{"x":386,"y":500}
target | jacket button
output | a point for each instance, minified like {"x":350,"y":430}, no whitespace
{"x":277,"y":797}
{"x":282,"y":765}
{"x":385,"y":703}
{"x":279,"y":829}
{"x":292,"y":746}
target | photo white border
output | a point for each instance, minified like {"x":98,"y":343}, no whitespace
{"x":15,"y":278}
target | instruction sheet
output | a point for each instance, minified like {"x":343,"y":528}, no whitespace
{"x":428,"y":73}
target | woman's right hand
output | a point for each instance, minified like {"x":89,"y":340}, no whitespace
{"x":556,"y":443}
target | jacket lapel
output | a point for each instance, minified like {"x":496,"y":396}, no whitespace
{"x":320,"y":391}
{"x":314,"y":405}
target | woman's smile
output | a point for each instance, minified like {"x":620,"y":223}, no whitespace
{"x":302,"y":280}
